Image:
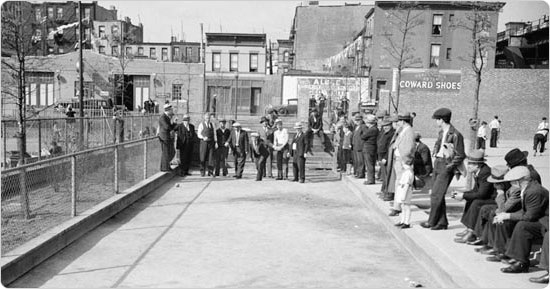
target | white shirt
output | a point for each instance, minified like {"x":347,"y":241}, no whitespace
{"x":443,"y":141}
{"x":482,"y":132}
{"x":494,"y":124}
{"x":237,"y":133}
{"x":542,"y":128}
{"x":201,"y":128}
{"x":280,"y":138}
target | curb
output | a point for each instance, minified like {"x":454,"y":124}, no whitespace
{"x":27,"y":256}
{"x":437,"y":264}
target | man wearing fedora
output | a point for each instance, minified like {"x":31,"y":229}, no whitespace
{"x":382,"y":146}
{"x":422,"y":163}
{"x":357,"y":147}
{"x":222,"y":135}
{"x":280,"y":146}
{"x":238,"y":142}
{"x":483,"y":193}
{"x":516,"y":157}
{"x":444,"y":168}
{"x":266,"y":134}
{"x":369,"y":147}
{"x":532,"y":219}
{"x":208,"y":144}
{"x":185,"y":135}
{"x":389,"y":182}
{"x":166,"y":137}
{"x":298,"y":151}
{"x":258,"y":154}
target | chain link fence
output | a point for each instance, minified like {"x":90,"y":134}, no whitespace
{"x":41,"y":195}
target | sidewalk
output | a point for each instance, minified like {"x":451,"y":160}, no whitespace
{"x":456,"y":265}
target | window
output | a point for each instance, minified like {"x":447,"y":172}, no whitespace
{"x":142,"y":80}
{"x":153,"y":53}
{"x":39,"y":88}
{"x":189,"y":53}
{"x":216,"y":61}
{"x":129,"y":50}
{"x":101,"y":49}
{"x":140,"y":51}
{"x":164,"y":54}
{"x":114,"y":50}
{"x":451,"y":18}
{"x":50,"y":13}
{"x":286,"y":55}
{"x":436,"y":26}
{"x":87,"y":33}
{"x":434,"y":56}
{"x":114,"y":29}
{"x":253,"y":62}
{"x":176,"y":53}
{"x":176,"y":92}
{"x":38,"y":14}
{"x":59,"y":13}
{"x":101,"y":31}
{"x":87,"y":13}
{"x":448,"y":53}
{"x":88,"y":89}
{"x":233,"y":61}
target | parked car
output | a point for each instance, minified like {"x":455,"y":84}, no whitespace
{"x":286,"y":109}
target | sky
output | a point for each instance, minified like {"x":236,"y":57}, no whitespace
{"x":161,"y":19}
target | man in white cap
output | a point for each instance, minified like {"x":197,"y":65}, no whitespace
{"x":166,"y":136}
{"x":299,"y":148}
{"x":238,"y":142}
{"x":184,"y":143}
{"x":208,"y":143}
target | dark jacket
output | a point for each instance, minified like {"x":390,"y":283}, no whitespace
{"x":383,"y":143}
{"x":454,"y":137}
{"x":357,"y":142}
{"x":369,"y":139}
{"x":301,"y":146}
{"x":185,"y":137}
{"x":315,"y":122}
{"x":259,"y":150}
{"x":534,"y":205}
{"x":422,"y":160}
{"x":267,"y":136}
{"x":242,"y":141}
{"x":165,"y":128}
{"x":482,"y":188}
{"x":222,"y":136}
{"x":534,"y":174}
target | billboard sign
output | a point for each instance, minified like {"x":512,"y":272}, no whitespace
{"x":431,"y":80}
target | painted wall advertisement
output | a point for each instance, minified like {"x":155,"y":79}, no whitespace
{"x":431,"y":80}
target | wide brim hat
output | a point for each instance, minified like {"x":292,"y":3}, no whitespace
{"x":263,"y":119}
{"x":517,"y":173}
{"x":186,"y":117}
{"x":385,"y":122}
{"x":515,"y":157}
{"x":298,"y":125}
{"x":404,"y":116}
{"x":168,"y":106}
{"x":497,"y":174}
{"x":235,"y":124}
{"x":278,"y":121}
{"x":476,"y":157}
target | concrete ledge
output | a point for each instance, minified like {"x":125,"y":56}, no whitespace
{"x":27,"y":256}
{"x":441,"y":267}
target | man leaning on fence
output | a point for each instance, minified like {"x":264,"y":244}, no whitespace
{"x":166,"y":136}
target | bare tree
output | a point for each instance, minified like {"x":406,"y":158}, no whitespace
{"x":402,"y":20}
{"x":124,"y":59}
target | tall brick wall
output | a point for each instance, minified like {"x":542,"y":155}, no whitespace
{"x":520,"y":97}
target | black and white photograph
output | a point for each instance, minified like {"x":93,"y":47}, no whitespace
{"x":274,"y":144}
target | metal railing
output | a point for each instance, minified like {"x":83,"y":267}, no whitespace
{"x":38,"y":196}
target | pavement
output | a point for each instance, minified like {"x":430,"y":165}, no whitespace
{"x":219,"y":232}
{"x":437,"y":249}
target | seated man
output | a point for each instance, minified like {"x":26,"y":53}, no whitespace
{"x":530,"y":218}
{"x":481,"y":194}
{"x":543,"y":260}
{"x":55,"y":149}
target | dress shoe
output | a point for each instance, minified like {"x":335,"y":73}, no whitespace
{"x":425,"y":225}
{"x":278,"y":179}
{"x":293,"y":180}
{"x":238,"y":177}
{"x":508,"y":261}
{"x":368,"y":183}
{"x":399,"y":224}
{"x":497,"y":258}
{"x":484,"y":247}
{"x":476,"y":242}
{"x":518,"y":267}
{"x":461,"y":234}
{"x":469,"y":237}
{"x":541,"y":280}
{"x":405,"y":226}
{"x":490,"y":251}
{"x":439,"y":227}
{"x":258,"y":180}
{"x":394,"y":213}
{"x":302,"y":181}
{"x":235,"y":176}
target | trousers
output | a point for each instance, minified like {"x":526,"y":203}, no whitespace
{"x":442,"y":180}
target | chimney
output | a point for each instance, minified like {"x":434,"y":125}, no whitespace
{"x":127,"y":19}
{"x":173,"y":39}
{"x":313,"y":3}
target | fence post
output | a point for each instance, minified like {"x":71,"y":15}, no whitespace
{"x":66,"y":138}
{"x":24,"y":198}
{"x":73,"y":186}
{"x":145,"y":159}
{"x":5,"y":134}
{"x":39,"y":139}
{"x":116,"y":168}
{"x":103,"y":119}
{"x":131,"y":127}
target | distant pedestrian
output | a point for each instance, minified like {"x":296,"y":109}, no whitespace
{"x":70,"y":114}
{"x":238,"y":142}
{"x":345,"y":162}
{"x":266,"y":134}
{"x":382,"y":146}
{"x":541,"y":136}
{"x":258,"y":154}
{"x":369,"y":147}
{"x":482,"y":135}
{"x":208,"y":144}
{"x":357,"y":147}
{"x":166,"y":137}
{"x":222,"y":134}
{"x":322,"y":104}
{"x":280,"y":147}
{"x":186,"y":136}
{"x":494,"y":125}
{"x":299,"y":150}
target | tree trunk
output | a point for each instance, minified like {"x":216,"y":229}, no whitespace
{"x":473,"y":131}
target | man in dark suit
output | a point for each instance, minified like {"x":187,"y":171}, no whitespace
{"x":444,"y":168}
{"x":238,"y":142}
{"x":298,"y":150}
{"x":422,"y":164}
{"x":357,"y":147}
{"x":258,"y":153}
{"x":315,"y":127}
{"x":266,"y":134}
{"x":222,"y":135}
{"x":483,"y":193}
{"x":382,"y":147}
{"x":186,"y":136}
{"x":369,"y":147}
{"x":166,"y":137}
{"x":532,"y":219}
{"x":208,"y":144}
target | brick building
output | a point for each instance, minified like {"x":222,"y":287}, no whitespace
{"x":109,"y":37}
{"x":235,"y":70}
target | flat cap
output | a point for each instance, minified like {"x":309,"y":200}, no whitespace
{"x":442,"y":113}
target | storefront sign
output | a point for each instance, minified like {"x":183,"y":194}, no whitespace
{"x":431,"y":80}
{"x":333,"y":88}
